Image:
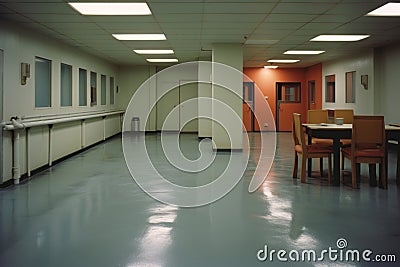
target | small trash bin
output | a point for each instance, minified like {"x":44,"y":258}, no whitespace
{"x":135,"y":124}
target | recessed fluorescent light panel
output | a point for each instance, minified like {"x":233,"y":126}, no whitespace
{"x":339,"y":38}
{"x":109,"y":9}
{"x":390,"y":9}
{"x":154,"y":51}
{"x":270,"y":67}
{"x":303,"y":52}
{"x":283,"y":60}
{"x":140,"y":37}
{"x":260,"y":42}
{"x":161,"y":60}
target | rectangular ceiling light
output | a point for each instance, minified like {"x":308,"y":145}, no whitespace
{"x":390,"y":9}
{"x":140,"y":37}
{"x":108,"y":9}
{"x":283,"y":60}
{"x":303,"y":52}
{"x":260,"y":42}
{"x":161,"y":60}
{"x":339,"y":38}
{"x":270,"y":67}
{"x":154,"y":51}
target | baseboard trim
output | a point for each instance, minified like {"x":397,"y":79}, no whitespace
{"x":227,"y":150}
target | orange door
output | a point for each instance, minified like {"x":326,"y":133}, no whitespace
{"x":247,"y":117}
{"x":288,"y":101}
{"x":248,"y":105}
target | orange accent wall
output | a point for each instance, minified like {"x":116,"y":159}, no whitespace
{"x":266,"y":80}
{"x":315,"y":73}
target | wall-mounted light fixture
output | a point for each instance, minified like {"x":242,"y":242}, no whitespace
{"x":364,"y":81}
{"x":25,"y":72}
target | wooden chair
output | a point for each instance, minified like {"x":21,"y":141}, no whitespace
{"x":317,"y":116}
{"x":367,"y":146}
{"x":346,"y":114}
{"x":307,"y":151}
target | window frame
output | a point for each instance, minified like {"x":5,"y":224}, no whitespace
{"x":330,"y":82}
{"x":49,"y":93}
{"x":284,"y":86}
{"x":93,"y":88}
{"x":84,"y":89}
{"x":103,"y":90}
{"x":350,"y":78}
{"x":62,"y":93}
{"x":112,"y":90}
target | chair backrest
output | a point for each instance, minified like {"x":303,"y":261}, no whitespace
{"x":317,"y":116}
{"x":368,"y":132}
{"x":298,"y":134}
{"x":346,"y":114}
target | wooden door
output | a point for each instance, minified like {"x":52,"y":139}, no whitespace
{"x":288,"y":101}
{"x":248,"y":106}
{"x":188,"y":91}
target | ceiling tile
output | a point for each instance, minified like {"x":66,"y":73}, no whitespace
{"x":194,"y":25}
{"x":238,"y":8}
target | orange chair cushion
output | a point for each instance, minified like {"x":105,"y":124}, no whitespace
{"x":365,"y":152}
{"x":345,"y":142}
{"x":320,"y":141}
{"x":314,"y":149}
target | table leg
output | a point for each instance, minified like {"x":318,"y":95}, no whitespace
{"x":336,"y":161}
{"x":398,"y":165}
{"x":309,"y":161}
{"x":387,"y":160}
{"x":372,"y":175}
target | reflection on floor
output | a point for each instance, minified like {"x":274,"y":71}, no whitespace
{"x":87,"y":211}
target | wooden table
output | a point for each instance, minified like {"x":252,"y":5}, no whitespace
{"x":337,"y":132}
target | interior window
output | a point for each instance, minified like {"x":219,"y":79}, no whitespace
{"x":66,"y":85}
{"x":82,"y":87}
{"x":351,"y":87}
{"x":289,"y":92}
{"x":103,"y":89}
{"x":42,"y":82}
{"x":111,"y":90}
{"x":330,"y":89}
{"x":93,"y":88}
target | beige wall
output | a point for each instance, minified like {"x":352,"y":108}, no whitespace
{"x":205,"y":108}
{"x":20,"y":45}
{"x":387,"y":89}
{"x":230,"y":135}
{"x":362,"y":64}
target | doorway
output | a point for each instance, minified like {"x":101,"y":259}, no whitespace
{"x":311,"y":95}
{"x":288,"y":101}
{"x":176,"y":97}
{"x":248,"y":106}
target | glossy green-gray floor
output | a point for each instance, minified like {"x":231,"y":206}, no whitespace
{"x":87,"y":211}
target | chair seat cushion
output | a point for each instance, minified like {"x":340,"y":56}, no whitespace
{"x":314,"y":148}
{"x":320,"y":141}
{"x":365,"y":152}
{"x":345,"y":142}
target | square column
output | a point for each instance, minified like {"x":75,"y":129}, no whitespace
{"x":229,"y":135}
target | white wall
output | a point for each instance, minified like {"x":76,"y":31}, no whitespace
{"x":230,"y":135}
{"x":387,"y":89}
{"x":205,"y":108}
{"x":362,"y":64}
{"x":21,"y":45}
{"x":176,"y":77}
{"x":130,"y":79}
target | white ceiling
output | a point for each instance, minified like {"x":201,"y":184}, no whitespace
{"x":192,"y":26}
